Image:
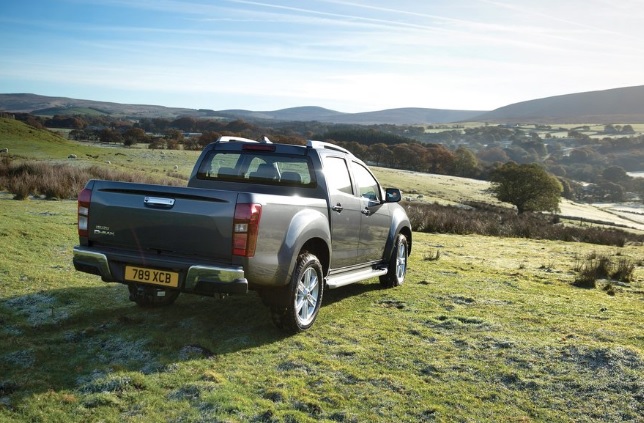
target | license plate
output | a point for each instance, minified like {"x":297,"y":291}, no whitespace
{"x":152,"y":276}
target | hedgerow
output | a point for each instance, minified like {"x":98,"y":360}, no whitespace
{"x":484,"y":219}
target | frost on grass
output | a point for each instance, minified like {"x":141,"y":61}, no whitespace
{"x":11,"y":330}
{"x":105,"y":390}
{"x":611,"y":360}
{"x":194,"y":352}
{"x":119,"y":351}
{"x":112,"y":383}
{"x":606,"y":382}
{"x":459,"y":323}
{"x":24,"y":359}
{"x":116,"y":352}
{"x":38,"y":309}
{"x":192,"y":391}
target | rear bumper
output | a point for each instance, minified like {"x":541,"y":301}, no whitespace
{"x":204,"y":279}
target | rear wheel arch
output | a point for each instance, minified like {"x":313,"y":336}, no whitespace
{"x":320,"y":249}
{"x":303,"y":296}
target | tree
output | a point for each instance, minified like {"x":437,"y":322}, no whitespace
{"x":493,"y":154}
{"x":207,"y":137}
{"x":134,"y":135}
{"x":615,"y":174}
{"x":379,"y":153}
{"x":638,"y":188}
{"x":609,"y":191}
{"x":528,"y":186}
{"x":174,"y":134}
{"x":109,"y":136}
{"x":465,"y":163}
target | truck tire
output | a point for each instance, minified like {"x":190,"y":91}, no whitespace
{"x":304,"y":296}
{"x":148,"y":297}
{"x":397,"y":264}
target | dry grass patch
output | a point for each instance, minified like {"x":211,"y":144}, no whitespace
{"x":63,"y":181}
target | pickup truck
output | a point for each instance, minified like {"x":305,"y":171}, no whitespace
{"x":286,"y":221}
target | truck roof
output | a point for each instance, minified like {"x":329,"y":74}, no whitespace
{"x":314,"y":144}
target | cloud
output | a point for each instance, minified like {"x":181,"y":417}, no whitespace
{"x":470,"y":54}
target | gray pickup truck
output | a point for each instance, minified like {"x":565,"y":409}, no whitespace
{"x":282,"y":220}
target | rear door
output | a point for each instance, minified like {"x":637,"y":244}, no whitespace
{"x":156,"y":218}
{"x":345,"y":213}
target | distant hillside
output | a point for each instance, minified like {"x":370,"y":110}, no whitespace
{"x":49,"y":106}
{"x":619,"y":105}
{"x":409,"y":116}
{"x":403,"y":116}
{"x":306,"y":113}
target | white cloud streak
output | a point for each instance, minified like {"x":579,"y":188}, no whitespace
{"x":467,"y":54}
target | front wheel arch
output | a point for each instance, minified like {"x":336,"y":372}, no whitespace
{"x":397,"y":264}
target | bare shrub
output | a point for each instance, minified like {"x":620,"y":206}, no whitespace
{"x":157,"y":144}
{"x":435,"y":256}
{"x":587,"y":276}
{"x":597,"y":267}
{"x":624,"y":270}
{"x":62,"y":181}
{"x":485,"y":219}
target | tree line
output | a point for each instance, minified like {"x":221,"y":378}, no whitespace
{"x":468,"y":152}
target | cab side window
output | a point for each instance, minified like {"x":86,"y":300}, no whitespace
{"x":367,"y":184}
{"x":337,"y":174}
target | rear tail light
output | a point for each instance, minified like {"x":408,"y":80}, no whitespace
{"x":84,"y":199}
{"x":245,"y":229}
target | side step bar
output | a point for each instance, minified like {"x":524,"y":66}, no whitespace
{"x":342,"y":279}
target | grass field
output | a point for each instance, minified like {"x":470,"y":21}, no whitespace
{"x":491,"y":331}
{"x":484,"y":329}
{"x":23,"y":141}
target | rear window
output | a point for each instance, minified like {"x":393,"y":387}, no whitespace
{"x":257,"y":167}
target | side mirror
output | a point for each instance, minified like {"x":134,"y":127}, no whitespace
{"x":392,"y":195}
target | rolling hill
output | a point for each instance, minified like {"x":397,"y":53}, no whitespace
{"x":401,"y":116}
{"x":619,"y":105}
{"x":49,"y":106}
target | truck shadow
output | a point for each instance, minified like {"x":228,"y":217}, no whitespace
{"x":338,"y":294}
{"x":59,"y":339}
{"x":65,"y":339}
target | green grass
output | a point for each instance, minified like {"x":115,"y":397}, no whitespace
{"x":492,"y":331}
{"x":24,"y":141}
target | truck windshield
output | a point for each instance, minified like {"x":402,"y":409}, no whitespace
{"x":257,"y":167}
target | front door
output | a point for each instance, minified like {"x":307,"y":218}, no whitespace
{"x":345,"y":213}
{"x":375,"y":219}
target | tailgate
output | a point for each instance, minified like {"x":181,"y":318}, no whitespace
{"x":162,"y":219}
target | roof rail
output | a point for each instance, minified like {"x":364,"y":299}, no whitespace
{"x":263,"y":140}
{"x":328,"y":145}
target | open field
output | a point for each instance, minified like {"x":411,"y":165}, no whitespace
{"x":452,"y":190}
{"x":40,"y":145}
{"x":484,"y":329}
{"x":491,"y":331}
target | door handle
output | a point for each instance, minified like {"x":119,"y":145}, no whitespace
{"x":338,"y":208}
{"x":164,"y":203}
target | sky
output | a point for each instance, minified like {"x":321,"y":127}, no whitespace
{"x":349,"y":56}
